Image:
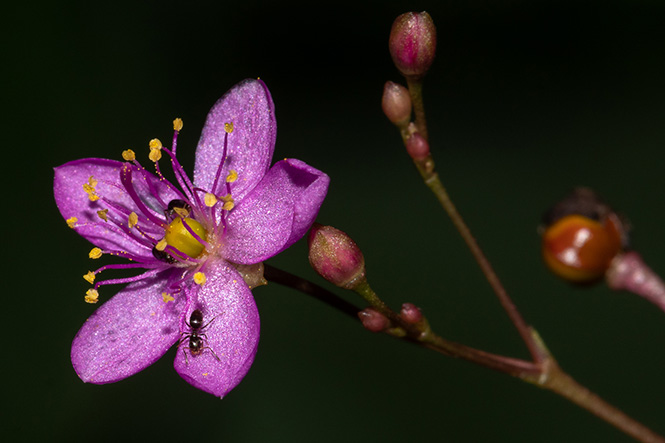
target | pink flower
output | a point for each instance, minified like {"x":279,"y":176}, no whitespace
{"x":201,"y":244}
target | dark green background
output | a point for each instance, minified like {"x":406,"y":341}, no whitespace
{"x":525,"y":100}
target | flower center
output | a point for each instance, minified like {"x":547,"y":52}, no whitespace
{"x":182,"y":235}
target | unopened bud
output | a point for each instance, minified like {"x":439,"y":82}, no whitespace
{"x":417,"y":147}
{"x":335,"y":256}
{"x":373,"y":320}
{"x":410,"y":313}
{"x":396,"y":103}
{"x":413,"y":43}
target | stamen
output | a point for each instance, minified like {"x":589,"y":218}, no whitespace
{"x":228,"y":127}
{"x":102,"y":213}
{"x":126,"y":180}
{"x":182,"y":178}
{"x":210,"y":200}
{"x":128,"y":155}
{"x":155,"y":143}
{"x":132,"y":220}
{"x":177,"y":124}
{"x":166,"y":297}
{"x":89,"y":277}
{"x":128,"y":279}
{"x":89,"y":188}
{"x":91,"y":296}
{"x":155,"y":155}
{"x":95,"y":253}
{"x":233,"y":176}
{"x":229,"y":203}
{"x":199,"y":278}
{"x":71,"y":222}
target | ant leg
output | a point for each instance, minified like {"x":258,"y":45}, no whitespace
{"x":213,"y":352}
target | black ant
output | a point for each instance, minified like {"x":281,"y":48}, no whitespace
{"x":196,"y":337}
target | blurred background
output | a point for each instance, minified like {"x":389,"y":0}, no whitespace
{"x":525,"y":100}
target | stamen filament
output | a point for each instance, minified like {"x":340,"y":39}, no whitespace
{"x":126,"y":179}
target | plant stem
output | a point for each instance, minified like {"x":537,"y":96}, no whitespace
{"x":416,"y":92}
{"x":433,"y":182}
{"x":563,"y":384}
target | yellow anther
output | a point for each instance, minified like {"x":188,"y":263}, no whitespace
{"x":132,"y":220}
{"x":89,"y":277}
{"x":91,"y":296}
{"x":128,"y":155}
{"x":95,"y":253}
{"x":89,"y":188}
{"x":102,"y":214}
{"x":177,"y":124}
{"x":161,"y":245}
{"x":199,"y":278}
{"x":155,"y":143}
{"x":71,"y":222}
{"x":210,"y":199}
{"x":228,"y":202}
{"x":93,"y":197}
{"x":92,"y":181}
{"x":228,"y":127}
{"x":166,"y":297}
{"x":233,"y":176}
{"x":155,"y":155}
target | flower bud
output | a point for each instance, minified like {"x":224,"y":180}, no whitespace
{"x":410,"y":313}
{"x":413,"y":43}
{"x":373,"y":320}
{"x":396,"y":103}
{"x":417,"y":147}
{"x":335,"y":256}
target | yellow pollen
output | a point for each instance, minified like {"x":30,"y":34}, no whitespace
{"x":102,"y":214}
{"x":155,"y":155}
{"x":161,"y":245}
{"x":177,"y":124}
{"x":228,"y":202}
{"x":133,"y":220}
{"x":95,"y":253}
{"x":93,"y":197}
{"x":228,"y":127}
{"x":89,"y":277}
{"x":155,"y":143}
{"x":91,"y":296}
{"x":210,"y":200}
{"x":128,"y":155}
{"x":199,"y":278}
{"x":92,"y":181}
{"x":71,"y":222}
{"x":233,"y":176}
{"x":166,"y":297}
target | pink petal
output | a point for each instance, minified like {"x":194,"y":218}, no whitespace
{"x":277,"y":213}
{"x":127,"y":333}
{"x":73,"y":201}
{"x":248,"y":105}
{"x":231,"y":327}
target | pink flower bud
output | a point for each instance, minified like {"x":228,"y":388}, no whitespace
{"x":373,"y":320}
{"x":396,"y":103}
{"x":413,"y":43}
{"x":335,"y":256}
{"x":410,"y":313}
{"x":417,"y":147}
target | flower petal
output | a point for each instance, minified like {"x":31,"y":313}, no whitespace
{"x":129,"y":332}
{"x":231,"y":327}
{"x":248,"y":105}
{"x":277,"y":213}
{"x":73,"y":201}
